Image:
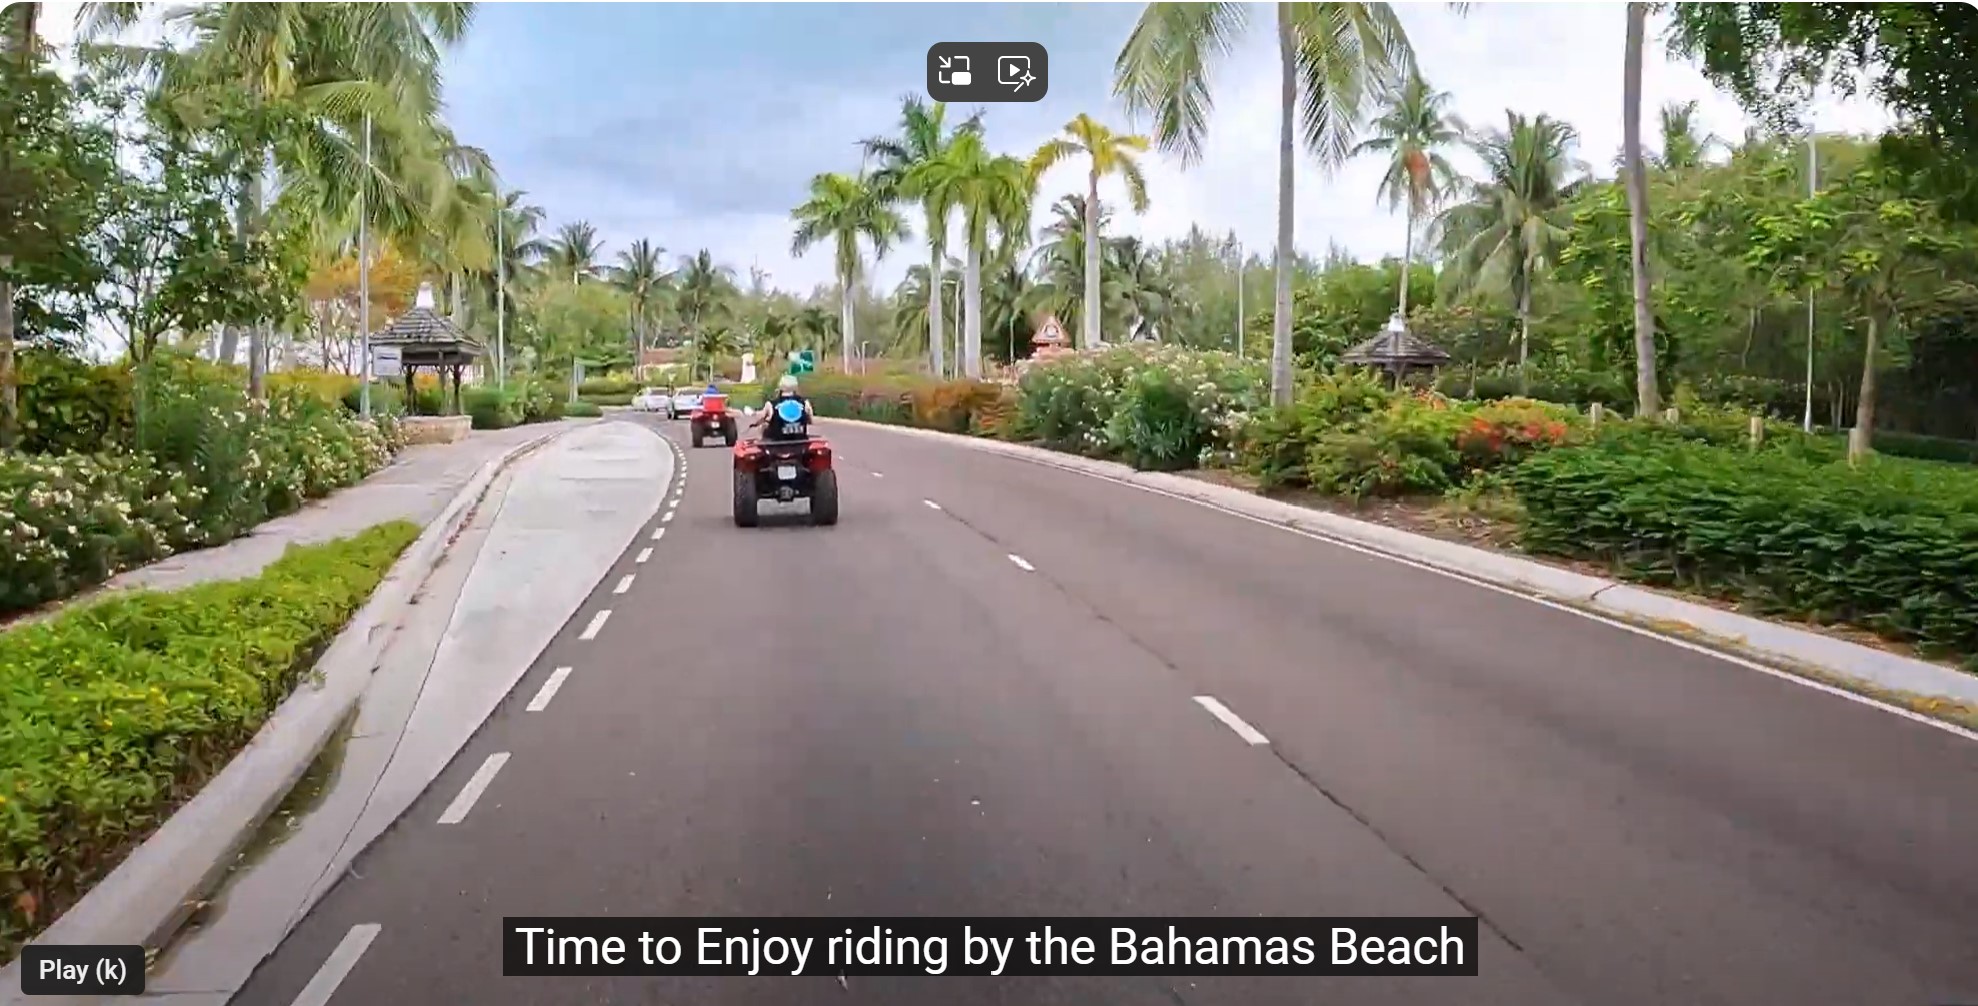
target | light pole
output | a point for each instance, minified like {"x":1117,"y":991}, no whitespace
{"x":501,"y":295}
{"x":364,"y":278}
{"x":1239,"y":299}
{"x":1812,"y":184}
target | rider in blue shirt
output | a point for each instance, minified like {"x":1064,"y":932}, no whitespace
{"x":786,"y":390}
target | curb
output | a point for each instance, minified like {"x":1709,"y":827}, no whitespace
{"x":157,"y":888}
{"x":1822,"y":660}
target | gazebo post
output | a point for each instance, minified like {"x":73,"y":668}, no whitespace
{"x":411,"y":397}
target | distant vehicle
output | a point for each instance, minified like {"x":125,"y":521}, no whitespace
{"x":712,"y":421}
{"x":650,"y":400}
{"x":683,"y":402}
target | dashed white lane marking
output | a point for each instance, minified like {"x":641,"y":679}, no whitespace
{"x":658,"y":533}
{"x":624,"y":584}
{"x":597,"y":622}
{"x":548,"y":692}
{"x":337,"y":966}
{"x":644,"y":554}
{"x":931,"y":505}
{"x":674,"y":502}
{"x":1231,"y":720}
{"x":878,"y":475}
{"x":1022,"y":563}
{"x":668,"y":517}
{"x":456,"y":811}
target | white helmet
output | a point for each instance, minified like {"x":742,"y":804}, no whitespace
{"x":788,"y":382}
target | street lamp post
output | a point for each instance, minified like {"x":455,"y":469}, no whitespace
{"x":1812,"y":185}
{"x":1239,"y":299}
{"x":364,"y":278}
{"x":501,"y":296}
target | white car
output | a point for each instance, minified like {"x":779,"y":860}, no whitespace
{"x":650,"y":400}
{"x":683,"y":402}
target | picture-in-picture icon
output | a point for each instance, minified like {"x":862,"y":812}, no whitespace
{"x":1014,"y":71}
{"x":954,"y":70}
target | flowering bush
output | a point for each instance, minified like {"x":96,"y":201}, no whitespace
{"x":1508,"y":431}
{"x":72,"y":521}
{"x":1152,"y":406}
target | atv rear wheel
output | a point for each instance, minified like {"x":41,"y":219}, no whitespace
{"x":697,"y":436}
{"x":728,"y":433}
{"x":746,"y":511}
{"x":824,"y":499}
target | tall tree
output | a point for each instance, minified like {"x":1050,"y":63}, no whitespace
{"x":1512,"y":228}
{"x":1329,"y":55}
{"x":575,"y":250}
{"x":844,"y":211}
{"x":923,"y":137}
{"x":1412,"y":129}
{"x":993,"y":192}
{"x":1106,"y":153}
{"x":704,"y":291}
{"x":1648,"y":395}
{"x":642,"y":278}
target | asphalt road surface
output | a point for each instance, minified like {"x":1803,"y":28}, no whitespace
{"x":980,"y":694}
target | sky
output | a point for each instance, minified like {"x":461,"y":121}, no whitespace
{"x":700,"y":125}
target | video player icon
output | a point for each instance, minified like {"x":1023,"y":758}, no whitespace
{"x":956,"y":74}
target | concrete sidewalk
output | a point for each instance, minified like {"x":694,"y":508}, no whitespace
{"x":416,"y":486}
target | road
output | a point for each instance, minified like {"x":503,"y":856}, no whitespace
{"x":978,"y":695}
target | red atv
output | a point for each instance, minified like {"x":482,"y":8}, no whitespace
{"x":711,"y":420}
{"x":785,"y":468}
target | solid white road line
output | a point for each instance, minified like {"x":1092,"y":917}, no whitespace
{"x":931,"y":505}
{"x":597,"y":622}
{"x":1022,"y":563}
{"x":337,"y":966}
{"x":624,"y":584}
{"x":658,"y":533}
{"x":548,"y":692}
{"x":456,"y":811}
{"x":1231,"y":720}
{"x":644,"y":554}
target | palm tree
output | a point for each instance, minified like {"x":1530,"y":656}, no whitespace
{"x":1412,"y":128}
{"x":1684,"y":144}
{"x":575,"y":249}
{"x":845,"y":210}
{"x":1060,"y":261}
{"x":1109,"y":153}
{"x":923,"y":138}
{"x":1647,"y":394}
{"x":642,"y":278}
{"x":1513,"y":225}
{"x":704,"y":289}
{"x":1328,"y":56}
{"x":993,"y":192}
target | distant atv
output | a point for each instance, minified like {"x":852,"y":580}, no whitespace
{"x":787,"y":463}
{"x":711,"y":420}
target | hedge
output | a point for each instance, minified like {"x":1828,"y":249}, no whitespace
{"x":1891,"y":546}
{"x":114,"y":713}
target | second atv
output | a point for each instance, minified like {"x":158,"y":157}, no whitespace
{"x":711,"y":420}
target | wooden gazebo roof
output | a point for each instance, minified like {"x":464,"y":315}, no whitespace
{"x":1395,"y":346}
{"x":428,"y":338}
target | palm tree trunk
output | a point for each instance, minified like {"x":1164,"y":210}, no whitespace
{"x":1862,"y":437}
{"x":936,"y":344}
{"x":10,"y":405}
{"x":1647,"y":393}
{"x":1286,"y":162}
{"x":20,"y":42}
{"x":1407,"y":258}
{"x":1524,"y":335}
{"x":1091,"y":326}
{"x":972,"y":313}
{"x":846,"y":321}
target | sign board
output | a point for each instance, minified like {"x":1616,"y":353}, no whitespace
{"x":387,"y":361}
{"x":1051,"y":333}
{"x":802,"y":362}
{"x":748,"y":368}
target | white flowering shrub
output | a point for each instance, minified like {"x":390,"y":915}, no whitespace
{"x":1152,"y":406}
{"x":70,"y":521}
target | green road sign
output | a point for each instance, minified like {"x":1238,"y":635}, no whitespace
{"x":802,"y":362}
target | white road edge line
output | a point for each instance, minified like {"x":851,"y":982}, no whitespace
{"x":456,"y":811}
{"x":337,"y":966}
{"x":548,"y":691}
{"x":1729,"y":658}
{"x":1022,"y":563}
{"x":931,"y":505}
{"x":1231,"y":720}
{"x":624,"y":584}
{"x":644,"y":554}
{"x":658,"y":533}
{"x":597,"y":622}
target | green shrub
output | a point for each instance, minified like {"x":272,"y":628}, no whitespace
{"x":582,"y":409}
{"x":69,"y":522}
{"x":1276,"y":446}
{"x":115,"y":712}
{"x":1404,"y":448}
{"x":493,"y":408}
{"x":386,"y":398}
{"x":1891,"y":546}
{"x":1922,"y":448}
{"x":620,"y":384}
{"x":68,"y":405}
{"x":597,"y":399}
{"x":1151,"y":405}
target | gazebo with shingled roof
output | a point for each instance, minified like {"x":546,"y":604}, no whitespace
{"x":1397,"y":351}
{"x":430,"y":340}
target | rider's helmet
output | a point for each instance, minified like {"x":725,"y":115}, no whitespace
{"x":787,"y":384}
